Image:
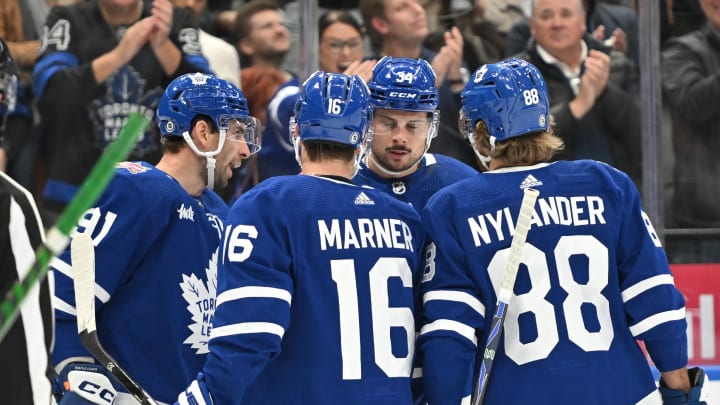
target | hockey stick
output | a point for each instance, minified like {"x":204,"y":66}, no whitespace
{"x":82,"y":252}
{"x":59,"y":235}
{"x":506,"y":291}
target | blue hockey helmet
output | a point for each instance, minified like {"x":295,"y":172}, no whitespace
{"x":510,"y":97}
{"x":196,"y":94}
{"x":8,"y":80}
{"x":333,"y":107}
{"x":403,"y":84}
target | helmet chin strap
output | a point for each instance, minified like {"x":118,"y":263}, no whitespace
{"x":210,"y":164}
{"x":209,"y":156}
{"x":393,"y":173}
{"x":484,"y":160}
{"x":296,"y":147}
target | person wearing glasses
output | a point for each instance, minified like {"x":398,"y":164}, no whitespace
{"x":342,"y":46}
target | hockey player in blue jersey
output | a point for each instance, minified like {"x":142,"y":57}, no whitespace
{"x":405,"y":121}
{"x":315,"y":293}
{"x":156,"y":232}
{"x":593,"y":276}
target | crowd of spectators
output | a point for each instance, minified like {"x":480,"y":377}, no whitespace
{"x":86,"y":64}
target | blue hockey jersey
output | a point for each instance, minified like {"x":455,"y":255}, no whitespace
{"x":315,"y":296}
{"x":435,"y":172}
{"x":156,"y":276}
{"x":593,"y":278}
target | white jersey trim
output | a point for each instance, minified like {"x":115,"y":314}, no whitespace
{"x":247,"y":327}
{"x":253,"y":292}
{"x":645,"y":285}
{"x":456,"y":296}
{"x":64,"y":268}
{"x":453,"y":326}
{"x":655,"y":320}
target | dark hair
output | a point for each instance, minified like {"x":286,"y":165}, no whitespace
{"x":327,"y":150}
{"x":330,"y":17}
{"x":368,"y":10}
{"x":245,"y":13}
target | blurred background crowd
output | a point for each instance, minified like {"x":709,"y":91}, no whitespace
{"x":632,"y":83}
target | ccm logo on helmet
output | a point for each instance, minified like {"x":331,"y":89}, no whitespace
{"x":402,"y":95}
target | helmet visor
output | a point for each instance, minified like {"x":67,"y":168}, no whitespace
{"x":242,"y":129}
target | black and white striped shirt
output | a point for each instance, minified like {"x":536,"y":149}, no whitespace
{"x":24,"y":352}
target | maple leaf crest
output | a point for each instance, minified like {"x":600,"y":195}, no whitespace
{"x":200,"y":296}
{"x":126,"y":91}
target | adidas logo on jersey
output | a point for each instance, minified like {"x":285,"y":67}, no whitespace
{"x":363,"y":199}
{"x":530,"y":181}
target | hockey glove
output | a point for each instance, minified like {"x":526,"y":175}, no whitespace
{"x":677,"y":397}
{"x":196,"y":394}
{"x":85,"y":384}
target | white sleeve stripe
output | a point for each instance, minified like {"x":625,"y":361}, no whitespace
{"x":63,"y":306}
{"x":192,"y":393}
{"x":247,"y":327}
{"x":655,"y":320}
{"x":642,"y":286}
{"x":66,"y":269}
{"x":61,"y":266}
{"x":253,"y":292}
{"x":454,"y":326}
{"x":457,"y":296}
{"x":465,"y":400}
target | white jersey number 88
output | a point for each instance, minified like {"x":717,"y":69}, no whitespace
{"x":534,"y":301}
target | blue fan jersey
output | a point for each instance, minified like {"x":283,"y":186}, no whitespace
{"x":593,"y":278}
{"x":434,"y":172}
{"x":315,"y":296}
{"x":156,"y":276}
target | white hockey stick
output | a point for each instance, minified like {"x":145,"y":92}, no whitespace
{"x":506,"y":291}
{"x":82,"y":252}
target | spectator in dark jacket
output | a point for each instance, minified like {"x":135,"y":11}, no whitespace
{"x":691,"y":85}
{"x":593,"y":90}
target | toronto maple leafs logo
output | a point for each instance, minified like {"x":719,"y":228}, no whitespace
{"x":200,"y":297}
{"x":125,"y":93}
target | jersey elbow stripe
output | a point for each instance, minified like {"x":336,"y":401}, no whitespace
{"x":645,"y":285}
{"x":65,"y":269}
{"x":449,"y":325}
{"x":657,"y":319}
{"x":455,"y":296}
{"x":63,"y":306}
{"x":253,"y":292}
{"x":247,"y":327}
{"x":61,"y":266}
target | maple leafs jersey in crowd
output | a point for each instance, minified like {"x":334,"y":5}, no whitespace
{"x":81,"y":117}
{"x":156,"y":275}
{"x":435,"y":172}
{"x":315,"y":296}
{"x":593,"y":278}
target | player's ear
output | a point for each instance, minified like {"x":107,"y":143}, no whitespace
{"x":201,"y":133}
